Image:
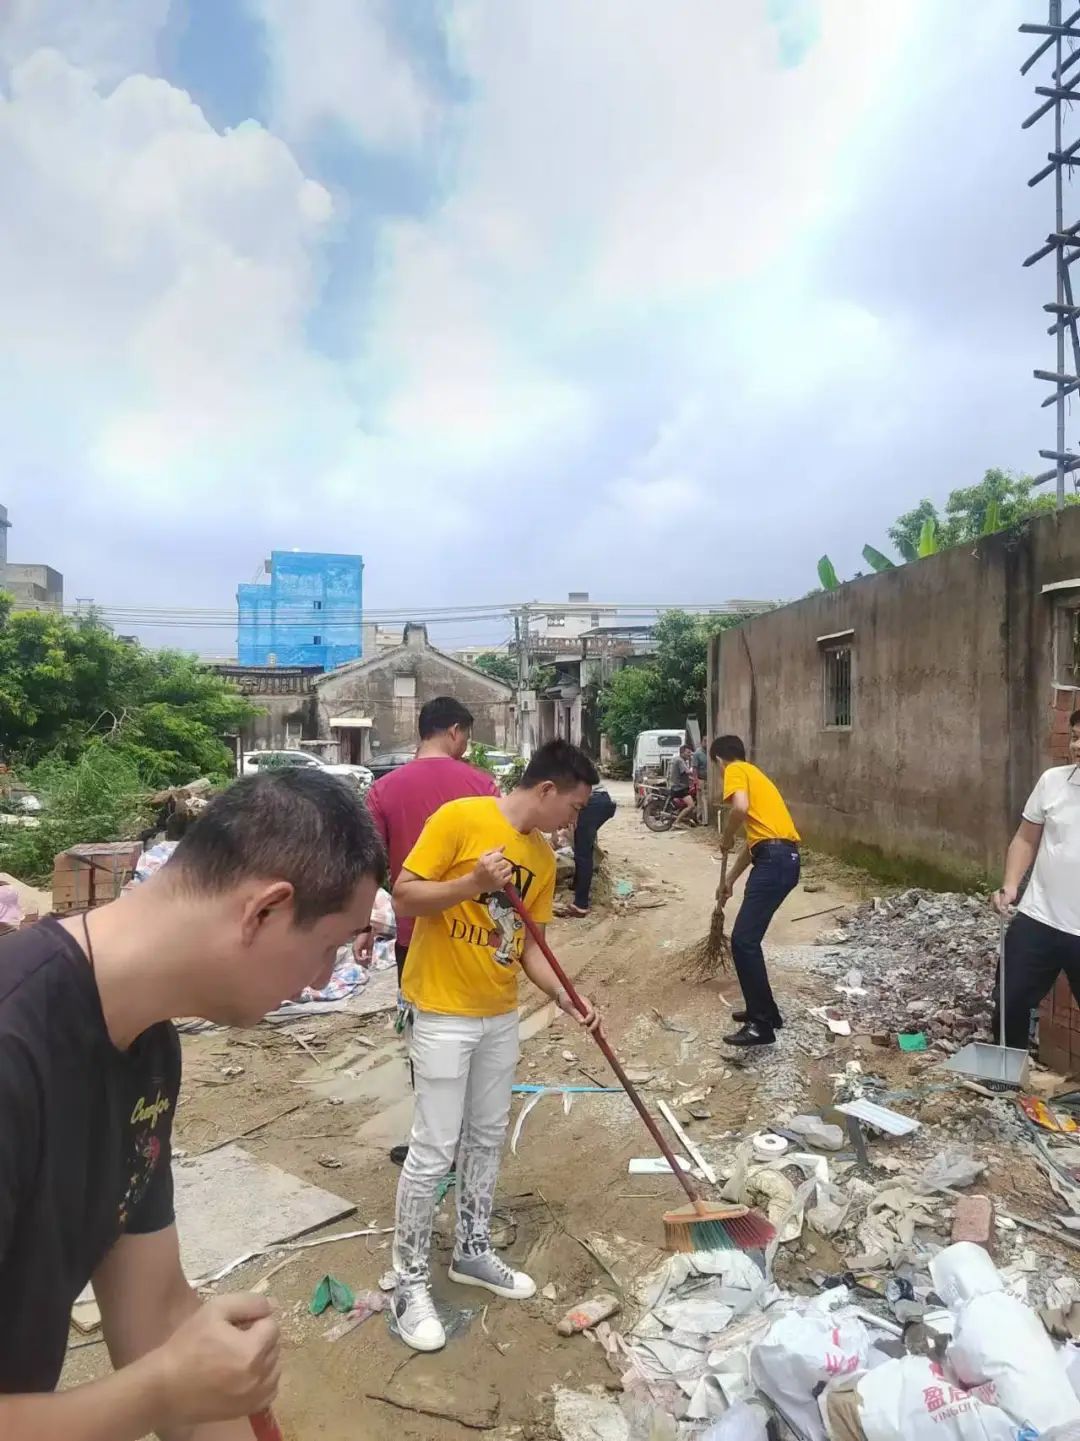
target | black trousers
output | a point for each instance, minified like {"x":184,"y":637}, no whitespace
{"x":1035,"y":955}
{"x":773,"y":876}
{"x":597,"y":812}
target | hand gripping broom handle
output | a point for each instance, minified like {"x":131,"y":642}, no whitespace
{"x":602,"y":1041}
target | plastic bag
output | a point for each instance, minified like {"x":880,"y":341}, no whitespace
{"x":999,"y":1341}
{"x":955,"y":1167}
{"x":741,"y":1423}
{"x":817,"y":1132}
{"x":830,"y":1209}
{"x":801,"y":1351}
{"x":916,"y":1399}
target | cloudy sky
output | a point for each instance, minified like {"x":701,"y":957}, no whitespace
{"x":510,"y":296}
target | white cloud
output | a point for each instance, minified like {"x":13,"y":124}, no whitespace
{"x":156,"y":279}
{"x":613,"y":313}
{"x":107,"y":38}
{"x":335,"y":60}
{"x":669,"y":149}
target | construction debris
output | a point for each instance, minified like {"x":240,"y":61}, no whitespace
{"x":587,"y":1314}
{"x":925,"y":957}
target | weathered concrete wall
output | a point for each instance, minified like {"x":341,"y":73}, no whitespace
{"x":285,"y":699}
{"x":368,"y":689}
{"x":952,"y":699}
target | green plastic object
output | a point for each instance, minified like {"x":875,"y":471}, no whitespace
{"x":332,"y":1292}
{"x":912,"y":1040}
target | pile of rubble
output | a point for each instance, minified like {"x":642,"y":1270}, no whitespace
{"x":926,"y":961}
{"x":713,"y":1350}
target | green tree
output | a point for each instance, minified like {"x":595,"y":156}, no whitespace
{"x":66,"y":683}
{"x":499,"y":664}
{"x":670,"y":689}
{"x":101,"y":795}
{"x":1000,"y":500}
{"x":907,"y":528}
{"x":629,"y":703}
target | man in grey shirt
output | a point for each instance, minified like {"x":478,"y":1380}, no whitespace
{"x":680,"y":778}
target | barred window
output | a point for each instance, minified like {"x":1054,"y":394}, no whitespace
{"x":836,"y":674}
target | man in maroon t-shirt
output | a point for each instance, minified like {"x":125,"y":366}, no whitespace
{"x":401,"y":802}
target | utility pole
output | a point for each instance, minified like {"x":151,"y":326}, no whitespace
{"x":521,"y":642}
{"x":1063,"y":242}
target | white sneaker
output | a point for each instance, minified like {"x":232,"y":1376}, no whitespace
{"x":493,"y":1274}
{"x":417,"y":1321}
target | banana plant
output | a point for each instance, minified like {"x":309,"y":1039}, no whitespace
{"x":827,"y":574}
{"x":928,"y":538}
{"x":992,"y":518}
{"x":875,"y":559}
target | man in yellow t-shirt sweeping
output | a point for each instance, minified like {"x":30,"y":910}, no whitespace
{"x":461,"y":982}
{"x":772,"y":849}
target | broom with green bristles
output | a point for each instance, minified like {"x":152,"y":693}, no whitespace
{"x":701,"y":1226}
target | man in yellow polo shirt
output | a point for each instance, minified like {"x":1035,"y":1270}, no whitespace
{"x":461,"y":981}
{"x":772,"y":849}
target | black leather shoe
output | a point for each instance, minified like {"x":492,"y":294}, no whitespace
{"x":751,"y":1035}
{"x":743,"y":1016}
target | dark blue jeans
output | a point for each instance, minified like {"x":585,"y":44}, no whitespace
{"x":773,"y":876}
{"x":597,"y":812}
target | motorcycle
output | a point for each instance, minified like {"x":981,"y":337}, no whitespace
{"x":661,"y":810}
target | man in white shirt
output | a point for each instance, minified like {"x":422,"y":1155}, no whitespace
{"x":1044,"y":937}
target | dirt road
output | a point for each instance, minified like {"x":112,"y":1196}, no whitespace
{"x":565,"y":1190}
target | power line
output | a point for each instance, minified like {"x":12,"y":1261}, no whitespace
{"x":303,"y":614}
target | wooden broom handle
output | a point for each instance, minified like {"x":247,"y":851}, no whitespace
{"x":602,"y":1041}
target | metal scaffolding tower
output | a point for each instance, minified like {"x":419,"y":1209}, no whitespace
{"x":1063,"y":242}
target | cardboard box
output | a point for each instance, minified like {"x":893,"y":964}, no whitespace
{"x":92,"y":875}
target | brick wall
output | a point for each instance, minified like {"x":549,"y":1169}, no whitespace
{"x":1059,"y":1030}
{"x":1066,"y":700}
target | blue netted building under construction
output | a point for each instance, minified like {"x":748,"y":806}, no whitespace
{"x":308,"y":611}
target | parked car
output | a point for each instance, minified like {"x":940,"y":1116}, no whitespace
{"x":502,"y":763}
{"x":256,"y":761}
{"x":499,"y":763}
{"x":383,"y":764}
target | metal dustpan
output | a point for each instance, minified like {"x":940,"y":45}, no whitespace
{"x":1005,"y":1065}
{"x":1001,"y":1064}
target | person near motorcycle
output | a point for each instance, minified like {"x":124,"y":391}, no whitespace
{"x":682,"y":783}
{"x":772,"y":849}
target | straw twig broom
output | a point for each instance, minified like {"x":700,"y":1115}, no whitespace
{"x":713,"y":955}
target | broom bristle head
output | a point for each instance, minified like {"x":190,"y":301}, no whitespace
{"x":712,"y":955}
{"x":716,"y":1228}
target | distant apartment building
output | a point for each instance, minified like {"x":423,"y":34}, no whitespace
{"x":552,"y":623}
{"x":34,"y":587}
{"x":378,"y":639}
{"x":306,"y":610}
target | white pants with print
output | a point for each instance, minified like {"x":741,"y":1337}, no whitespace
{"x":464,"y":1070}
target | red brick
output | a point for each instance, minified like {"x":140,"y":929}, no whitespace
{"x":1060,"y":724}
{"x":1056,"y":1059}
{"x":1066,"y":700}
{"x":974,"y":1220}
{"x":1058,"y":1036}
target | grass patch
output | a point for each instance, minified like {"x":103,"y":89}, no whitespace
{"x":904,"y":872}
